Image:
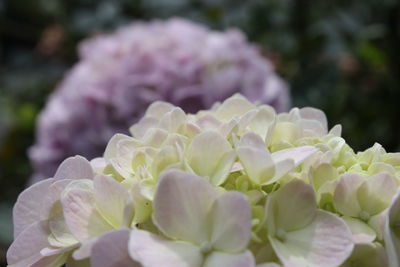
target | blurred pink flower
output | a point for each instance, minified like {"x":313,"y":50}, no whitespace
{"x":120,"y":74}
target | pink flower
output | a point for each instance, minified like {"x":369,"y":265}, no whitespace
{"x":120,"y":74}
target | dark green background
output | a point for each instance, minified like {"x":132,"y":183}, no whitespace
{"x":341,"y":56}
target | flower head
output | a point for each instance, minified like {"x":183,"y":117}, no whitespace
{"x":120,"y":74}
{"x":236,"y":185}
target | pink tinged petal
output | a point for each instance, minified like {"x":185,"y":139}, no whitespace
{"x":219,"y":259}
{"x":25,"y":250}
{"x":111,"y":199}
{"x":297,"y":154}
{"x":111,"y":250}
{"x":181,"y":206}
{"x":392,"y":232}
{"x":376,"y":193}
{"x":231,"y":218}
{"x":74,"y":168}
{"x":292,"y":207}
{"x":152,"y":251}
{"x":32,"y":206}
{"x":206,"y":152}
{"x":327,"y":241}
{"x":81,"y":215}
{"x":361,"y":231}
{"x":345,"y":196}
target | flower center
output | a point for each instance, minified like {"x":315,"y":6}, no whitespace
{"x":364,"y":215}
{"x":206,"y":248}
{"x":281,"y":235}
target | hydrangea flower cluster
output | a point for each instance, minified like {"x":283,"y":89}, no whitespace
{"x":121,"y":74}
{"x":237,"y":185}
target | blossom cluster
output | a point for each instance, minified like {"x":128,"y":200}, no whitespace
{"x":121,"y":73}
{"x":237,"y":185}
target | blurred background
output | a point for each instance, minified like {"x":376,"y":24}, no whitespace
{"x":342,"y":57}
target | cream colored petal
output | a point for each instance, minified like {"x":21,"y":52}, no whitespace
{"x":111,"y":199}
{"x":345,"y":195}
{"x":236,"y":105}
{"x":376,"y":193}
{"x":206,"y":151}
{"x":290,"y":208}
{"x":362,"y":233}
{"x":255,"y":158}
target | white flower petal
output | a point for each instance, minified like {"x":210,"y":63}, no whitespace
{"x":236,"y":105}
{"x":152,"y":251}
{"x":231,"y":222}
{"x":111,"y":150}
{"x":219,"y":259}
{"x":181,"y":206}
{"x":315,"y":114}
{"x":158,"y":108}
{"x":111,"y":199}
{"x":297,"y":154}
